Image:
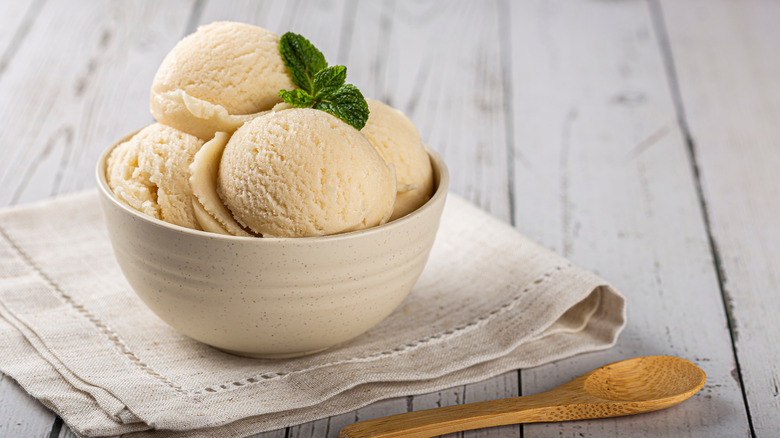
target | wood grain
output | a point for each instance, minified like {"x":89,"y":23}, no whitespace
{"x":637,"y":138}
{"x":73,"y":90}
{"x":15,"y":20}
{"x":20,"y":414}
{"x":453,"y":92}
{"x":725,"y":59}
{"x":602,"y":176}
{"x":499,"y":387}
{"x":68,"y":92}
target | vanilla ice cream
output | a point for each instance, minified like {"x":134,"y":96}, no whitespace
{"x":218,"y":78}
{"x":397,"y":140}
{"x":211,"y":213}
{"x":150,"y":172}
{"x":303,"y":172}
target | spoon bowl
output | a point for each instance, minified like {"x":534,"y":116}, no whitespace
{"x":631,"y":386}
{"x":650,"y":378}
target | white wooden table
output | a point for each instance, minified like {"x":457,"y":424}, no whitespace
{"x":640,"y":139}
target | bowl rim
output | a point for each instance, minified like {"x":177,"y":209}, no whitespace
{"x":441,"y":188}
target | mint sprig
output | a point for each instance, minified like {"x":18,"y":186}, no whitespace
{"x":321,"y":87}
{"x":328,"y":81}
{"x":302,"y":59}
{"x":297,"y":98}
{"x":346,"y":103}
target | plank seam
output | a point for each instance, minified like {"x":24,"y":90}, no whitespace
{"x":505,"y":44}
{"x":56,"y":427}
{"x":664,"y":43}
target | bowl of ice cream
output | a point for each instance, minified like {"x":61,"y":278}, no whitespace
{"x":267,"y":229}
{"x":271,"y":297}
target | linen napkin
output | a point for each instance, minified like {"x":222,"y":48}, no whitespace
{"x":75,"y":336}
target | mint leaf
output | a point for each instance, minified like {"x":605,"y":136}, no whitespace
{"x":321,"y":87}
{"x":328,"y":80}
{"x":297,"y":98}
{"x":302,"y":59}
{"x":348,"y":104}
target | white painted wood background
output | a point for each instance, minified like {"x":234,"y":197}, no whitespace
{"x":639,"y":138}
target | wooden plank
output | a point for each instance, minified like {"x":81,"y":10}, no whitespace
{"x":320,"y":428}
{"x":320,"y":22}
{"x":73,"y":90}
{"x":449,"y":397}
{"x":390,"y":57}
{"x":70,"y":91}
{"x":725,"y":56}
{"x":602,"y":176}
{"x":20,"y":414}
{"x":503,"y":386}
{"x":600,"y":168}
{"x":66,"y":433}
{"x":439,"y":62}
{"x":12,"y":15}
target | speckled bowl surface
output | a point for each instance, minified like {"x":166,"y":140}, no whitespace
{"x":271,"y":297}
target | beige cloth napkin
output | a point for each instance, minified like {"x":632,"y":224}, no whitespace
{"x":76,"y":337}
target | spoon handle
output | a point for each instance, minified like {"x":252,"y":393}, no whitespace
{"x":439,"y":421}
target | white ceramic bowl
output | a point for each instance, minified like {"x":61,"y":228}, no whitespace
{"x":271,"y":297}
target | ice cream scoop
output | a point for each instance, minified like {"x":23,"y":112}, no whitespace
{"x":150,"y":172}
{"x":218,"y":78}
{"x":397,"y":140}
{"x":302,"y":172}
{"x":211,"y":213}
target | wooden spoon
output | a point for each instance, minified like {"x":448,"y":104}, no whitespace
{"x":632,"y":386}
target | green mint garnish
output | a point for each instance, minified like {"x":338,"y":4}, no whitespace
{"x":302,"y":59}
{"x":321,"y":87}
{"x":297,"y":98}
{"x":328,"y":80}
{"x":346,"y":103}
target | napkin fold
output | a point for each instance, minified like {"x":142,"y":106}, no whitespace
{"x":75,"y":336}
